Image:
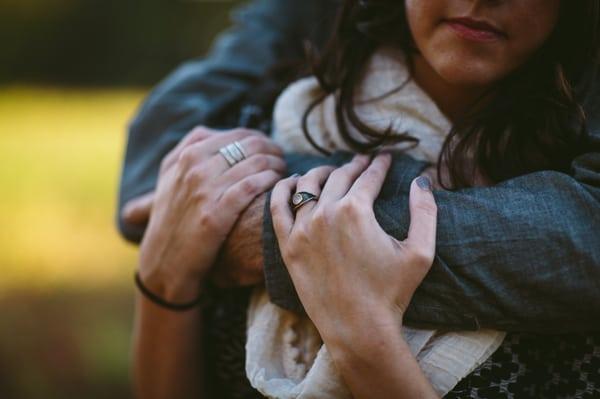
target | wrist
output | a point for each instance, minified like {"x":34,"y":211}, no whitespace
{"x":169,"y":272}
{"x":366,"y":343}
{"x":363,"y":332}
{"x":176,"y":286}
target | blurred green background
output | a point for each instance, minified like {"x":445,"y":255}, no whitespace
{"x":72,"y":73}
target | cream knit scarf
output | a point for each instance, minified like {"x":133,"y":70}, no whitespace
{"x":285,"y":357}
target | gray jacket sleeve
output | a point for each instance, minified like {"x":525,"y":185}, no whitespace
{"x":208,"y":91}
{"x":523,"y":255}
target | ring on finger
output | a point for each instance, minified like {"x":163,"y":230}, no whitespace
{"x":233,"y":153}
{"x":302,"y":197}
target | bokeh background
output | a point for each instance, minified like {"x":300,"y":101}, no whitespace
{"x":72,"y":73}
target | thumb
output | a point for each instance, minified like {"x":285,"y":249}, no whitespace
{"x":423,"y":218}
{"x":138,"y":210}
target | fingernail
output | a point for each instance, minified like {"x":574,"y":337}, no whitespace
{"x":424,"y":183}
{"x":295,"y":175}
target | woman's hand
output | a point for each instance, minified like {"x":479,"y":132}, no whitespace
{"x":342,"y":263}
{"x":197,"y":201}
{"x":354,"y":280}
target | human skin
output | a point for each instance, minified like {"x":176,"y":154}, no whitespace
{"x":358,"y":357}
{"x":453,"y":70}
{"x":351,"y":291}
{"x":346,"y":281}
{"x":198,"y":199}
{"x":456,"y":68}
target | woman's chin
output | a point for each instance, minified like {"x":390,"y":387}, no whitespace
{"x":464,"y":74}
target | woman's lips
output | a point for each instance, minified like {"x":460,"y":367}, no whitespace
{"x":471,"y":29}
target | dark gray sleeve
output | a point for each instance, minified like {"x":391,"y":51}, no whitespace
{"x":277,"y":280}
{"x":520,"y":256}
{"x":208,"y":91}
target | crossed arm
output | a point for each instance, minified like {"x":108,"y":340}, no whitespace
{"x":522,"y":255}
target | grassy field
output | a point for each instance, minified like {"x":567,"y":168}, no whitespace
{"x":65,"y":275}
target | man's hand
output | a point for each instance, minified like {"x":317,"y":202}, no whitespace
{"x":137,"y":210}
{"x":240,"y":262}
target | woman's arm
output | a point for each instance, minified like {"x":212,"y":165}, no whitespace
{"x":376,"y":362}
{"x":167,"y":352}
{"x":354,"y":280}
{"x":528,"y":250}
{"x":198,"y":199}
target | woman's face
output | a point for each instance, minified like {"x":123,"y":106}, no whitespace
{"x":479,"y":42}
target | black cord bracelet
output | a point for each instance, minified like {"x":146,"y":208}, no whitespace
{"x":178,"y":307}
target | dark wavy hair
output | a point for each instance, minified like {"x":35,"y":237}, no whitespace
{"x":532,"y":120}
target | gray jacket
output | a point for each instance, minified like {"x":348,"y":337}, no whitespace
{"x":523,"y":255}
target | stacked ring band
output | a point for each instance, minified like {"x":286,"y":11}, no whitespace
{"x":233,"y":153}
{"x":301,"y":198}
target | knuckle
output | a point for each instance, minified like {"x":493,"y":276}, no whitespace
{"x":208,"y":219}
{"x":194,"y":177}
{"x":418,"y":256}
{"x":164,"y":163}
{"x":350,"y":206}
{"x":301,"y":234}
{"x":199,"y":196}
{"x":304,"y":180}
{"x":248,"y":187}
{"x":240,"y":131}
{"x":199,"y":133}
{"x":260,"y":161}
{"x":323,"y":216}
{"x":186,"y":157}
{"x":290,"y":253}
{"x":229,"y":198}
{"x":271,"y":177}
{"x":342,"y":172}
{"x":253,"y":144}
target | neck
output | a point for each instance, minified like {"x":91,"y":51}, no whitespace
{"x":454,"y":101}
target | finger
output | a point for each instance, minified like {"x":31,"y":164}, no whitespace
{"x":212,"y":169}
{"x":197,"y":134}
{"x":423,"y":219}
{"x":341,"y":179}
{"x":369,"y":183}
{"x":252,"y":165}
{"x":312,"y":182}
{"x":260,"y":144}
{"x":138,"y":209}
{"x":197,"y":152}
{"x":281,"y":213}
{"x":219,"y":176}
{"x":239,"y":195}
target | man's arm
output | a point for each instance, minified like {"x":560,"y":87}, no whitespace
{"x":520,"y":256}
{"x":209,"y":91}
{"x":202,"y":92}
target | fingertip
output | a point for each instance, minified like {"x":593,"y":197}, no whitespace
{"x":423,"y":183}
{"x":384,"y":157}
{"x":421,"y":191}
